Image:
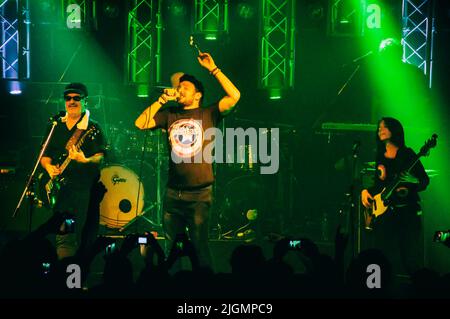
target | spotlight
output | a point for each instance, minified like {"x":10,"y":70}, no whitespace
{"x":275,"y":94}
{"x":15,"y":88}
{"x":177,"y":8}
{"x":246,"y":11}
{"x":316,"y":12}
{"x":390,"y":48}
{"x":142,"y":90}
{"x":210,"y":37}
{"x":252,"y":214}
{"x":111,"y":9}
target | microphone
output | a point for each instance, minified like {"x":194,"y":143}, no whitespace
{"x":56,"y":117}
{"x":161,"y":88}
{"x":172,"y":92}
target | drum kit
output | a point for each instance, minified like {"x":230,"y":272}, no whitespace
{"x":134,"y":177}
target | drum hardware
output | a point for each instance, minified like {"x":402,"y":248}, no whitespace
{"x":242,"y":205}
{"x":142,"y":216}
{"x":128,"y":143}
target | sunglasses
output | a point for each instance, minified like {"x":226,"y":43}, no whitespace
{"x":75,"y":98}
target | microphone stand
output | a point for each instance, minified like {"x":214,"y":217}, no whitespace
{"x":354,"y":216}
{"x":342,"y":88}
{"x":29,"y":191}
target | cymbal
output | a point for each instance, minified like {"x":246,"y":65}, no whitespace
{"x":430,"y":172}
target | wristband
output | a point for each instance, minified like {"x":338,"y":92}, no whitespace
{"x":215,"y":71}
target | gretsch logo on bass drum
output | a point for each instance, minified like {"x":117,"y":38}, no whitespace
{"x":116,"y":179}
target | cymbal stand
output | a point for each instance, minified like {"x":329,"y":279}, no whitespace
{"x":158,"y":222}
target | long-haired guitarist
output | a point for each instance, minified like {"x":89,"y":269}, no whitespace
{"x":397,"y":214}
{"x":72,"y":162}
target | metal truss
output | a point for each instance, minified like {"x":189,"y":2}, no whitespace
{"x":211,"y":17}
{"x":277,"y":44}
{"x":143,"y":41}
{"x":346,"y":17}
{"x":418,"y":34}
{"x":15,"y":44}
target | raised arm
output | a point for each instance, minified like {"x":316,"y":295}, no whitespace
{"x":146,"y":119}
{"x":228,"y":102}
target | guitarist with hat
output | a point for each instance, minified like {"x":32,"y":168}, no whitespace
{"x":72,"y":161}
{"x":394,"y":201}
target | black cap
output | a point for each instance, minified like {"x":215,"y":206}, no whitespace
{"x":198,"y":85}
{"x":76,"y":87}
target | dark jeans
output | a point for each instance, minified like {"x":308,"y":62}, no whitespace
{"x":399,"y":234}
{"x":189,"y":209}
{"x":75,"y":200}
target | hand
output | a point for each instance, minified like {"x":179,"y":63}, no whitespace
{"x":77,"y":155}
{"x":206,"y":61}
{"x":408,"y":178}
{"x":52,"y":170}
{"x":366,"y":198}
{"x":56,"y":223}
{"x":169,"y":95}
{"x":100,"y":244}
{"x":152,"y":248}
{"x":129,"y":244}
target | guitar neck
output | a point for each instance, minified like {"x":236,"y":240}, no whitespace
{"x":66,"y":162}
{"x":63,"y":166}
{"x":391,"y":189}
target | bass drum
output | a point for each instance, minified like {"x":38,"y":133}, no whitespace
{"x":125,"y":196}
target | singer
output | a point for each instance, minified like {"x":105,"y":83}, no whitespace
{"x":189,"y":189}
{"x":71,"y":162}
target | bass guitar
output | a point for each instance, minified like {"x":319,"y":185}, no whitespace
{"x":381,"y":201}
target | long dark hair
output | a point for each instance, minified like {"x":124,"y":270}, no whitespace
{"x":397,"y":134}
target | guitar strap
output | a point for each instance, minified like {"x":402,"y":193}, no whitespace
{"x":73,"y":140}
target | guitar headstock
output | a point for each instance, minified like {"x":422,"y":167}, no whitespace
{"x":93,"y":132}
{"x":90,"y":134}
{"x":429,"y":144}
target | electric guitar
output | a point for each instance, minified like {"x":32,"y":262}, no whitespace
{"x":381,"y":200}
{"x":52,"y":185}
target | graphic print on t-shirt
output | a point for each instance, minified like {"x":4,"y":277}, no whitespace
{"x":186,"y":137}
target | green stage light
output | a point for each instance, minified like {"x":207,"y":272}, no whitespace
{"x":142,"y":90}
{"x":275,"y":94}
{"x":210,"y":37}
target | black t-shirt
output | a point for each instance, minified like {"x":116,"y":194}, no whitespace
{"x":77,"y":174}
{"x":388,"y":170}
{"x":189,"y":166}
